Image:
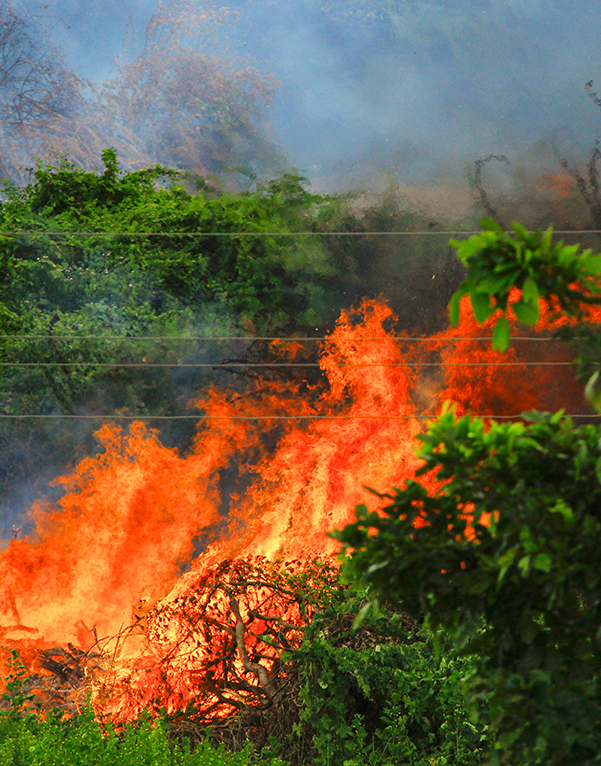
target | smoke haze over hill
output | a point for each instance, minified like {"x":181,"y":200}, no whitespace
{"x":418,"y":89}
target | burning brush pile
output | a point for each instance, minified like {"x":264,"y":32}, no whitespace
{"x":184,"y":585}
{"x":217,"y":647}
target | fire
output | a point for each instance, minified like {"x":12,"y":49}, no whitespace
{"x":106,"y":568}
{"x":214,"y":644}
{"x":562,"y":183}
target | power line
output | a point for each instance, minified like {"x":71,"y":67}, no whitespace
{"x":221,"y":338}
{"x":228,"y":233}
{"x":27,"y":232}
{"x":244,"y":365}
{"x":267,"y":417}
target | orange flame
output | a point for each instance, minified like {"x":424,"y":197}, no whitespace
{"x":134,"y":517}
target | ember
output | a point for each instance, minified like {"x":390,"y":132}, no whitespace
{"x":97,"y":600}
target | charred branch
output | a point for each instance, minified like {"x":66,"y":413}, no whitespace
{"x":484,"y":198}
{"x":589,"y":187}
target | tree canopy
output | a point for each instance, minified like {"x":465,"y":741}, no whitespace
{"x":91,"y":271}
{"x":172,"y":101}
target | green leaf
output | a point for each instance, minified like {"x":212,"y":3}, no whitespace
{"x":524,"y":564}
{"x":362,"y":614}
{"x":505,"y":562}
{"x":481,"y":306}
{"x":500,"y":335}
{"x":454,"y":305}
{"x":564,"y":509}
{"x":495,"y":283}
{"x":591,"y":393}
{"x":477,"y":586}
{"x":467,"y":248}
{"x":591,"y":266}
{"x":530,"y":291}
{"x":542,"y":561}
{"x":491,"y":225}
{"x":520,"y":230}
{"x":527,"y":313}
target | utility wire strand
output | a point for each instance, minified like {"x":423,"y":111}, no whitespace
{"x":264,"y":417}
{"x":244,"y":365}
{"x":27,"y":232}
{"x":221,"y":338}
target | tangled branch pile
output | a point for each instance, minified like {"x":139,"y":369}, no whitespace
{"x":214,"y":646}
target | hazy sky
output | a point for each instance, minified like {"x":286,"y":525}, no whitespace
{"x":410,"y":86}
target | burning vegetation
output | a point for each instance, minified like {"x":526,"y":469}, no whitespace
{"x":95,"y":599}
{"x":198,"y":583}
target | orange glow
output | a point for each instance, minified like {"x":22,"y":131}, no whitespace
{"x":562,"y":183}
{"x":141,"y":527}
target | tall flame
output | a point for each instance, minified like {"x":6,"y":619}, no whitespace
{"x":134,"y":517}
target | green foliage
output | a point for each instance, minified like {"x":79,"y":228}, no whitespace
{"x":82,"y":740}
{"x":383,"y":695}
{"x":16,"y":703}
{"x":523,"y":591}
{"x":29,"y":740}
{"x":265,"y":280}
{"x":68,"y":189}
{"x":96,"y":261}
{"x":530,"y":261}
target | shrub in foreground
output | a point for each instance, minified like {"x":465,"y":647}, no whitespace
{"x":82,"y":741}
{"x":388,"y":693}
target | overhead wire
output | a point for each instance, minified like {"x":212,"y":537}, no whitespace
{"x":326,"y":339}
{"x":267,"y":417}
{"x":226,"y":365}
{"x":395,"y":233}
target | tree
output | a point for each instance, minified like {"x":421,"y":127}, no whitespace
{"x":36,"y":90}
{"x":171,"y":102}
{"x":86,"y":269}
{"x":499,"y":542}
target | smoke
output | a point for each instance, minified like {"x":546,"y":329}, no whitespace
{"x":419,"y":89}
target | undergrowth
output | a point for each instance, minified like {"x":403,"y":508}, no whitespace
{"x":82,"y":741}
{"x":385,"y":694}
{"x":26,"y":739}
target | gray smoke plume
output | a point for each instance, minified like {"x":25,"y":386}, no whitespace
{"x":419,"y":88}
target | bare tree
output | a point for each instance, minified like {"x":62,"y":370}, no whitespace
{"x":36,"y":90}
{"x":170,"y":102}
{"x":484,"y":198}
{"x":589,"y":186}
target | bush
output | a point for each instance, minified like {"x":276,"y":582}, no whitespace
{"x":500,"y":543}
{"x":82,"y":741}
{"x":383,"y":694}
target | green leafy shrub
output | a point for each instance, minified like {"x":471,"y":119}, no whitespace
{"x":504,"y":556}
{"x":15,"y":702}
{"x":532,"y":262}
{"x":383,"y":694}
{"x":500,"y":545}
{"x":267,"y":280}
{"x":82,"y":741}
